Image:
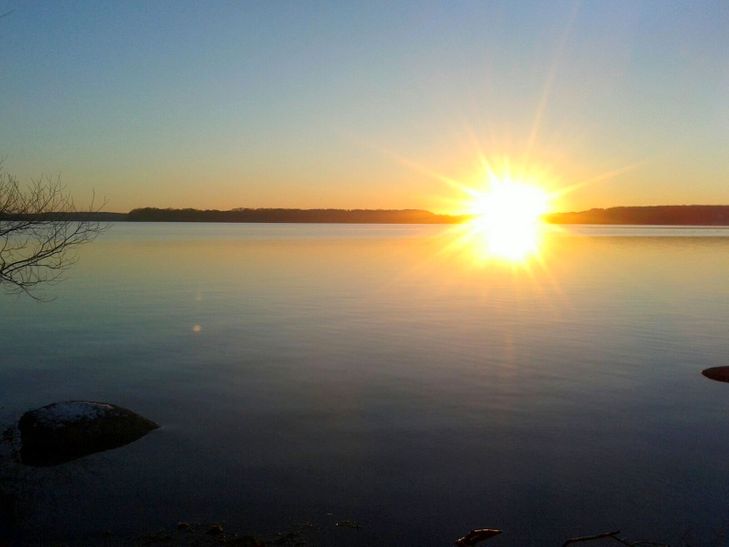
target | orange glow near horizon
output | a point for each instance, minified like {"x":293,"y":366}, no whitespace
{"x":505,"y":202}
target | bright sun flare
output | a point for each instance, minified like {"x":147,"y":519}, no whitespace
{"x":506,"y":218}
{"x":510,"y":204}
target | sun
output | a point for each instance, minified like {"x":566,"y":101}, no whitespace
{"x":508,"y":205}
{"x":505,"y":218}
{"x":504,"y":208}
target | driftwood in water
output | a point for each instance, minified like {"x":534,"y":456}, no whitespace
{"x":482,"y":534}
{"x":615,"y":537}
{"x":477,"y":536}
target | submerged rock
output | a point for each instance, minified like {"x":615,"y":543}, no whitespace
{"x":68,"y":430}
{"x":720,"y":374}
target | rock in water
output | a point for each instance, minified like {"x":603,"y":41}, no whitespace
{"x":720,"y":374}
{"x":64,"y":431}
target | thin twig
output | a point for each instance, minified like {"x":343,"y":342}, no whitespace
{"x":604,"y":535}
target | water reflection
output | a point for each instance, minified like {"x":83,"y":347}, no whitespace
{"x":480,"y":242}
{"x":338,"y":368}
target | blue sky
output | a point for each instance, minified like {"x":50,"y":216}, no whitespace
{"x":358,"y":104}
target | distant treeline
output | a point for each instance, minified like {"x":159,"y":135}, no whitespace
{"x":86,"y":216}
{"x":343,"y":216}
{"x":686,"y":215}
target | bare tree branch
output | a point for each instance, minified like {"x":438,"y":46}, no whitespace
{"x":40,"y":228}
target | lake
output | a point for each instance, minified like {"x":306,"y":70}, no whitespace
{"x":385,"y":375}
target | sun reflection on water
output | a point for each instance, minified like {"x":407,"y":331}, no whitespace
{"x":504,"y":242}
{"x":480,"y":241}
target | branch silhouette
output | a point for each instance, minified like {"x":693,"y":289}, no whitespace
{"x":37,"y":233}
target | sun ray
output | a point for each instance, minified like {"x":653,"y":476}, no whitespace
{"x":549,"y":80}
{"x":598,"y":178}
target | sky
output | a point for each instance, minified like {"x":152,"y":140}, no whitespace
{"x":366,"y":104}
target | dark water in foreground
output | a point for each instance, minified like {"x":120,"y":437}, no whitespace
{"x":322,"y":372}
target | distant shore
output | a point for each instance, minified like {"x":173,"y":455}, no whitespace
{"x":660,"y":215}
{"x":656,"y":215}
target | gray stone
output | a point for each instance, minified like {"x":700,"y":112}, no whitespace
{"x":64,"y":431}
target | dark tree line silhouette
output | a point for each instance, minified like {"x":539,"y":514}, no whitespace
{"x":669,"y":215}
{"x":383,"y":216}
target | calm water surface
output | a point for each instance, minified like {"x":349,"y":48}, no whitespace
{"x":378,"y":373}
